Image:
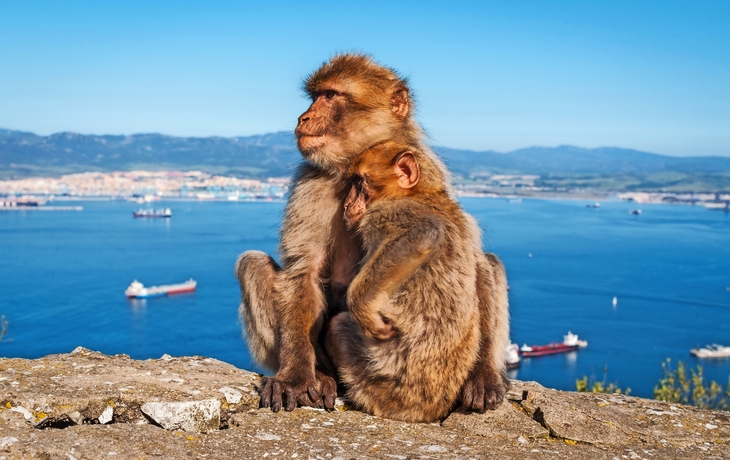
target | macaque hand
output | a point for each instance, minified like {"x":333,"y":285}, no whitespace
{"x":483,"y":390}
{"x":370,"y":315}
{"x":319,"y":390}
{"x":379,"y":328}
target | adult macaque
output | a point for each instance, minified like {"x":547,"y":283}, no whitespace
{"x":412,"y":334}
{"x":356,"y":103}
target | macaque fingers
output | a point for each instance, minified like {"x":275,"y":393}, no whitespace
{"x":318,"y":393}
{"x":483,"y":391}
{"x":276,"y":396}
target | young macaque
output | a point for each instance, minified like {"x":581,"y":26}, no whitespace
{"x":411,"y":335}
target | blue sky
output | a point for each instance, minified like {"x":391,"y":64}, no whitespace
{"x":501,"y":75}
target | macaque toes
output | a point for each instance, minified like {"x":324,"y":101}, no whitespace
{"x":412,"y":334}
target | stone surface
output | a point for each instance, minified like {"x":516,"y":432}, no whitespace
{"x":192,"y":416}
{"x":232,"y":395}
{"x":66,"y":397}
{"x":107,"y":415}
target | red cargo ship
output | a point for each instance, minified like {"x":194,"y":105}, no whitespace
{"x":570,"y":343}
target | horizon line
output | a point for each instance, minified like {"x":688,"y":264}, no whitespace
{"x":152,"y":133}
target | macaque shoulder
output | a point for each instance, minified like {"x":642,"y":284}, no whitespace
{"x":394,"y":218}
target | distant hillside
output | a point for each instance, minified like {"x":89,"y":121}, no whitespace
{"x":569,"y":160}
{"x":274,"y":155}
{"x":26,"y":154}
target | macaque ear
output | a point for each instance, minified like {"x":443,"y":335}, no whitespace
{"x":406,"y":168}
{"x":399,"y":103}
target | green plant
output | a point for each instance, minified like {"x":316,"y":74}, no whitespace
{"x":678,"y":387}
{"x":591,"y":385}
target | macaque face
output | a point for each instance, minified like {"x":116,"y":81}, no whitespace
{"x":336,"y":126}
{"x":382,"y":172}
{"x":355,"y":104}
{"x":317,"y":127}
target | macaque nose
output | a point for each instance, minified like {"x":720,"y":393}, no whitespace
{"x":304,"y":117}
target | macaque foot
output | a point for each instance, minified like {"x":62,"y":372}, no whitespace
{"x":319,"y":391}
{"x":484,"y":390}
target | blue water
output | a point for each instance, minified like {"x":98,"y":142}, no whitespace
{"x":62,"y":277}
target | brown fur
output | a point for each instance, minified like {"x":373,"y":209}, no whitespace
{"x":412,"y":335}
{"x":356,"y":103}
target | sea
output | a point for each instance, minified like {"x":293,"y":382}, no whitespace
{"x":63,"y":276}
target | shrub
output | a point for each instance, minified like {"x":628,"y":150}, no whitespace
{"x":591,"y":385}
{"x":678,"y":387}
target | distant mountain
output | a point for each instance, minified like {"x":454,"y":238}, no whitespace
{"x":274,"y":155}
{"x":26,"y":154}
{"x":566,"y":160}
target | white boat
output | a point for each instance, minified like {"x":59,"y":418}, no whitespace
{"x":164,"y":213}
{"x":571,"y":339}
{"x":138,"y":291}
{"x":721,"y":205}
{"x":711,"y":351}
{"x":512,"y":356}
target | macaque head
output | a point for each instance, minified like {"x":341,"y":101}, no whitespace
{"x":389,"y":170}
{"x":355,"y":103}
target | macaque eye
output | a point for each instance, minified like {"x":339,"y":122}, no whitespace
{"x":329,"y":94}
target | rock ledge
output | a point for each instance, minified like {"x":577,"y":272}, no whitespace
{"x":88,"y":405}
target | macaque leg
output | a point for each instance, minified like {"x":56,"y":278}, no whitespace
{"x":487,"y":383}
{"x":344,"y":346}
{"x":256,"y":272}
{"x":500,"y":309}
{"x":261,"y":278}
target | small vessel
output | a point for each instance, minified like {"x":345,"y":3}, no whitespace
{"x":711,"y":351}
{"x":635,"y":212}
{"x":136,"y":290}
{"x":594,"y":205}
{"x":153,"y":213}
{"x":718,"y":205}
{"x":21,"y":203}
{"x":614,"y":302}
{"x":512,"y":356}
{"x":570,"y":343}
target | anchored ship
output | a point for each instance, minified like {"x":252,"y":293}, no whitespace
{"x":711,"y":351}
{"x":570,"y":343}
{"x":512,"y":356}
{"x":153,"y":213}
{"x":137,"y":290}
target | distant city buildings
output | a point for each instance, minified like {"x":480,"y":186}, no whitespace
{"x":153,"y":185}
{"x":148,"y":185}
{"x":711,"y":200}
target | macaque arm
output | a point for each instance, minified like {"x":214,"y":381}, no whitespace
{"x":385,"y":271}
{"x":298,"y":295}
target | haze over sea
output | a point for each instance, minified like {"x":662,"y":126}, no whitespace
{"x":63,"y":275}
